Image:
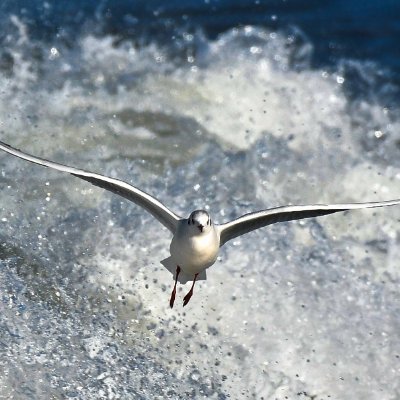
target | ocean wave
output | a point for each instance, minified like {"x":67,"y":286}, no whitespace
{"x":239,"y":122}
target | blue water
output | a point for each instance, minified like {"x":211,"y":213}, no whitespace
{"x":367,"y":30}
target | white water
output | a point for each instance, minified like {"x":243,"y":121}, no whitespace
{"x":299,"y":309}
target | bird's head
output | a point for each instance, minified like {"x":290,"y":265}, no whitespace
{"x":200,"y":220}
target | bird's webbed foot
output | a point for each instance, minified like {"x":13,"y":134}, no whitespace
{"x":190,"y":293}
{"x":173,"y":294}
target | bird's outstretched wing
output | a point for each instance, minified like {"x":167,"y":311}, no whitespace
{"x":149,"y":203}
{"x":259,"y":219}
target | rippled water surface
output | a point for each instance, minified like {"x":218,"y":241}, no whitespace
{"x":235,"y":123}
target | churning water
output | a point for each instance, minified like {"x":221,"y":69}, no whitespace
{"x":235,"y":123}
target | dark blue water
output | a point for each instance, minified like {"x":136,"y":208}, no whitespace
{"x":338,"y":29}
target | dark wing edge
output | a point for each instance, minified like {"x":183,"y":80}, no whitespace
{"x":259,"y":219}
{"x":130,"y":192}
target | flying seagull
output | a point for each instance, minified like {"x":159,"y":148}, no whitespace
{"x":197,"y":239}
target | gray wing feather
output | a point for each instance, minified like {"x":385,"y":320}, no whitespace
{"x":148,"y":202}
{"x":256,"y":220}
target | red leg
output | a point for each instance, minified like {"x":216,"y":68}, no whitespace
{"x":189,"y":295}
{"x":172,"y":299}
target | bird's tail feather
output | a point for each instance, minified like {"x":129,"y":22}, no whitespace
{"x":183,"y":276}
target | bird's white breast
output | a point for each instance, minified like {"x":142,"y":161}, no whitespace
{"x":194,"y":252}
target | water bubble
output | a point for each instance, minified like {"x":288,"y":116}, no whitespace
{"x":255,"y":50}
{"x":54,"y":53}
{"x":340,"y":79}
{"x":195,"y":376}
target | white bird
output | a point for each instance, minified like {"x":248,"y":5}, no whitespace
{"x":196,"y":240}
